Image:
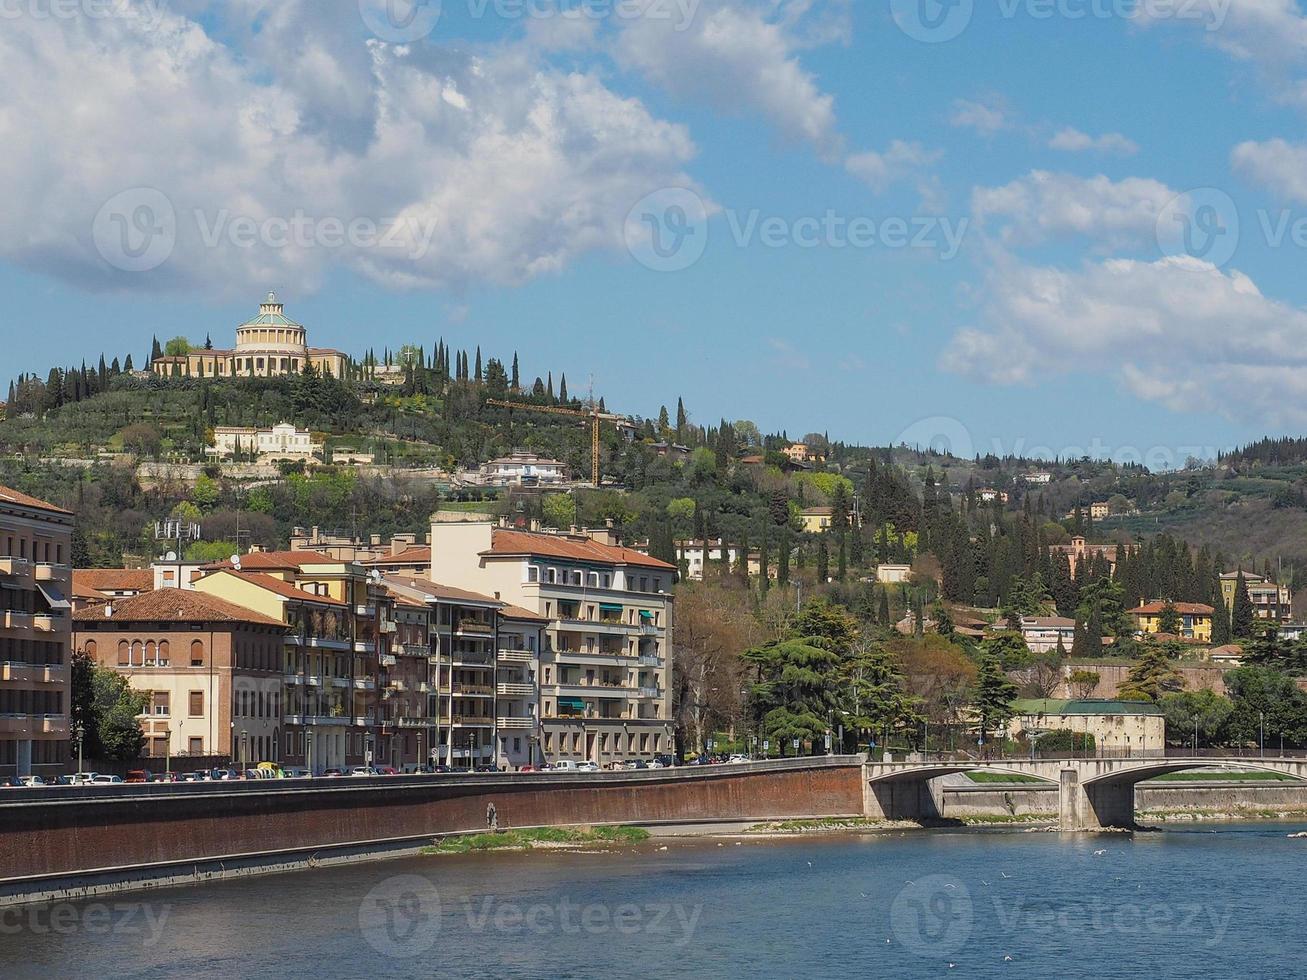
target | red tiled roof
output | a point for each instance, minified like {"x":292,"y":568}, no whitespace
{"x":1155,"y":608}
{"x":284,"y":589}
{"x":174,"y":606}
{"x":576,"y":548}
{"x":409,"y":556}
{"x":438,"y":590}
{"x":88,"y":580}
{"x":517,"y":612}
{"x":257,"y":561}
{"x":11,"y":496}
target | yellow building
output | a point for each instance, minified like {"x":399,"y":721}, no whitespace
{"x":267,"y":346}
{"x":1195,"y":619}
{"x":1270,"y":601}
{"x":816,"y":519}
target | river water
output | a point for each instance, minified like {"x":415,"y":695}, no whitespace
{"x":1213,"y":901}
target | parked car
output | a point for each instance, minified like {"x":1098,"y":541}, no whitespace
{"x":60,"y":781}
{"x":737,"y":758}
{"x":363,"y":771}
{"x":83,"y":778}
{"x":10,"y":782}
{"x":295,"y":772}
{"x":105,"y":779}
{"x":587,"y":767}
{"x":665,"y":760}
{"x":139,"y":776}
{"x":635,"y":764}
{"x":565,"y":765}
{"x":224,"y":775}
{"x":333,"y":771}
{"x":33,"y":780}
{"x":655,"y":764}
{"x":386,"y":771}
{"x":487,"y":769}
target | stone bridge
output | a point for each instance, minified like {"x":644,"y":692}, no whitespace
{"x":1093,"y":793}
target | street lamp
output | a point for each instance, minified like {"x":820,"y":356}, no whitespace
{"x":79,"y":733}
{"x":244,"y":748}
{"x":1261,"y":733}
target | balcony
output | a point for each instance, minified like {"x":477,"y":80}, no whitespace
{"x":607,"y":626}
{"x":650,"y":660}
{"x":388,"y":626}
{"x":415,"y":722}
{"x":50,"y":572}
{"x":473,"y":627}
{"x":14,"y":620}
{"x":478,"y":721}
{"x":17,"y":673}
{"x":517,"y":690}
{"x":516,"y":656}
{"x":473,"y":690}
{"x":415,"y":649}
{"x":17,"y":567}
{"x":387,"y":660}
{"x":521,"y":724}
{"x":364,"y":684}
{"x":465,"y":659}
{"x":651,"y":692}
{"x":592,"y":690}
{"x":364,"y":646}
{"x":45,"y":622}
{"x":320,"y":642}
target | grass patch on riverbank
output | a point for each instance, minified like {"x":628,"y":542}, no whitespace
{"x":985,"y":819}
{"x":819,"y":825}
{"x":525,"y":840}
{"x":1242,"y":775}
{"x":981,"y":776}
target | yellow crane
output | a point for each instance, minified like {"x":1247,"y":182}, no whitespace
{"x":593,"y":414}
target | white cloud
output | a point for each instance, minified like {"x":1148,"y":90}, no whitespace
{"x":986,"y":117}
{"x":1177,"y":331}
{"x":1074,"y":141}
{"x":900,"y":162}
{"x":514,"y":166}
{"x":736,"y":55}
{"x":1271,"y":35}
{"x":1278,"y":165}
{"x":1042,"y":206}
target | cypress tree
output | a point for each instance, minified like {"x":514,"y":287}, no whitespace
{"x":516,"y":380}
{"x":562,"y":390}
{"x":1241,"y":618}
{"x":823,"y":560}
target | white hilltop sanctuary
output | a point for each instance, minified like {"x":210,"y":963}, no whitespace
{"x":269,"y":345}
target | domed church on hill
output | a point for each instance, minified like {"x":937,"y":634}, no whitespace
{"x":269,"y":345}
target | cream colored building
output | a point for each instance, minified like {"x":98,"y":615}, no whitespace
{"x":1117,"y":727}
{"x":35,"y":581}
{"x":269,"y":345}
{"x":605,"y":672}
{"x":282,"y":441}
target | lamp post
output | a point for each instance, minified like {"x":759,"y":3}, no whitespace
{"x":244,"y":750}
{"x":1261,"y":733}
{"x":79,"y":733}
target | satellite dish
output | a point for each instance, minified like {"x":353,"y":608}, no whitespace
{"x":170,"y":556}
{"x":236,"y":562}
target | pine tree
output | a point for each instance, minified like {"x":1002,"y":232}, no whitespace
{"x":681,"y":421}
{"x":1241,"y":618}
{"x":823,"y":560}
{"x":1220,"y":618}
{"x":515,"y":380}
{"x":993,"y":696}
{"x":562,"y":390}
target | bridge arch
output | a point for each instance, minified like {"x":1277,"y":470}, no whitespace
{"x":929,"y":771}
{"x":1151,"y":769}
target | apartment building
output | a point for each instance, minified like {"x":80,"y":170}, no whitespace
{"x":342,"y":623}
{"x":1194,"y":618}
{"x":212,"y":670}
{"x":520,"y":640}
{"x":35,"y":634}
{"x":605,"y":669}
{"x":1270,"y":601}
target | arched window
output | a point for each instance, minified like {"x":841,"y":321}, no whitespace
{"x":163,"y":653}
{"x":138,"y":654}
{"x":149,"y":654}
{"x":197,"y":653}
{"x":90,"y":649}
{"x":124,"y":654}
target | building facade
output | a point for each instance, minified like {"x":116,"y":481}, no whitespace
{"x":267,"y":346}
{"x":605,"y":670}
{"x":523,"y":469}
{"x":1194,"y":618}
{"x":35,"y":634}
{"x":211,"y":670}
{"x":1116,"y":727}
{"x":282,"y":441}
{"x":1271,"y":602}
{"x":1043,"y":633}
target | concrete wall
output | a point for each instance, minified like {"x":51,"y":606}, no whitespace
{"x":1026,"y":800}
{"x":70,"y":831}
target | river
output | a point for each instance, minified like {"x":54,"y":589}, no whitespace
{"x":1215,"y":901}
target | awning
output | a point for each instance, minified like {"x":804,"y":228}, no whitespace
{"x":609,"y":607}
{"x":54,"y":597}
{"x":569,"y":705}
{"x":646,"y":614}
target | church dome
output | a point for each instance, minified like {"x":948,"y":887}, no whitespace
{"x":271,"y":330}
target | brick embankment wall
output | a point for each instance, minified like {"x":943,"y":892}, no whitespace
{"x":70,"y":831}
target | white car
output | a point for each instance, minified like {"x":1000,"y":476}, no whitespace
{"x":587,"y":767}
{"x":655,"y":764}
{"x":738,"y":758}
{"x":104,"y":780}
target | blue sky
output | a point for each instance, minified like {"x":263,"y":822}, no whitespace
{"x":1048,"y":159}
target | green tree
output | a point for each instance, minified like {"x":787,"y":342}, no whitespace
{"x":1266,"y":702}
{"x":1083,"y":683}
{"x":992,"y":696}
{"x":1008,"y":648}
{"x":1242,"y":615}
{"x":559,"y":510}
{"x":177,"y":347}
{"x":794,"y":695}
{"x":871,"y":696}
{"x":1169,"y":619}
{"x":1153,"y":676}
{"x":116,"y":708}
{"x":1188,"y":711}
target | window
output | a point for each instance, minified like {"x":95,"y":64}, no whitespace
{"x":89,"y":647}
{"x":197,"y":653}
{"x":551,"y":576}
{"x":196,"y":707}
{"x":124,"y":654}
{"x":195,"y":746}
{"x":163,"y":653}
{"x":159,"y":703}
{"x":532,"y":574}
{"x":149,"y":654}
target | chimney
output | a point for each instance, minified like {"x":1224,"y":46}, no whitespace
{"x":374,"y":540}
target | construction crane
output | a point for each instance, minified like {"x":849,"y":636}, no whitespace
{"x":593,"y":414}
